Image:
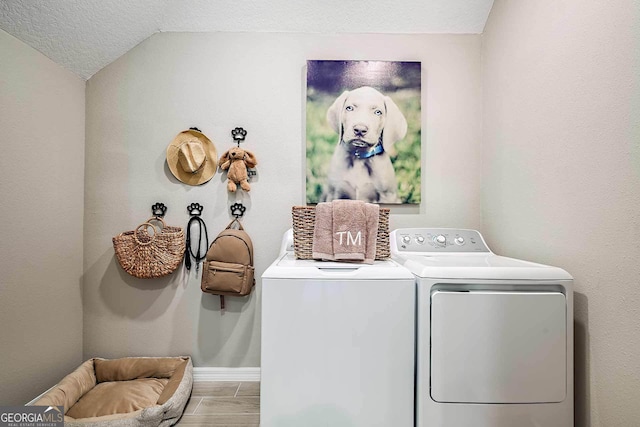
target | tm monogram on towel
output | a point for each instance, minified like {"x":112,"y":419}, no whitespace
{"x":346,"y":230}
{"x":350,"y":239}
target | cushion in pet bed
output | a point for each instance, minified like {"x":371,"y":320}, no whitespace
{"x":135,"y":391}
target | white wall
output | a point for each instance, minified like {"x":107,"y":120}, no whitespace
{"x":218,"y":81}
{"x":561,"y":175}
{"x":41,"y":183}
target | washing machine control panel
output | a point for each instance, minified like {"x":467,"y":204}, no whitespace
{"x":438,"y":240}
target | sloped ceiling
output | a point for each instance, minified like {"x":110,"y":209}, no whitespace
{"x":86,"y":35}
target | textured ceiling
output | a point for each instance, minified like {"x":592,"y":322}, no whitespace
{"x":86,"y":35}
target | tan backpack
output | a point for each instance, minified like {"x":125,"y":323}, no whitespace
{"x":228,"y":267}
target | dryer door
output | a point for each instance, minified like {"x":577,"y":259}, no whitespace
{"x":498,"y":347}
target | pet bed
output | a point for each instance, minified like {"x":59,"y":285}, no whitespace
{"x":128,"y":392}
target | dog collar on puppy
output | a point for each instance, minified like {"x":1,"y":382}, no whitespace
{"x":364,"y":152}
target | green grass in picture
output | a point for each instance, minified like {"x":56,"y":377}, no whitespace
{"x":321,"y":142}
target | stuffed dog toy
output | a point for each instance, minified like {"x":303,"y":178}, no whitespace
{"x":368,"y":123}
{"x":236,"y":161}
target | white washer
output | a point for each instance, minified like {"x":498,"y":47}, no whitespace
{"x":338,"y":343}
{"x":494,"y":334}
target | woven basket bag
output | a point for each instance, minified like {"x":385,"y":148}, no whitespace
{"x":148,"y":256}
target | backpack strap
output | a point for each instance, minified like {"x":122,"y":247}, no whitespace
{"x":236,"y":221}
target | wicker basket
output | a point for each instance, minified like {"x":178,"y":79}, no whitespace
{"x":304,"y":219}
{"x":148,"y":256}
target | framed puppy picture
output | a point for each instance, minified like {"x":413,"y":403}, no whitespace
{"x":363,"y":131}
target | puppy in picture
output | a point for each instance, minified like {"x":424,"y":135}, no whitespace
{"x":368,"y":123}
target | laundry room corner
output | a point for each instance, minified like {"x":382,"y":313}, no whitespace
{"x":495,"y":143}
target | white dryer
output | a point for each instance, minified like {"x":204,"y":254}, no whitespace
{"x":338,"y":343}
{"x":494,"y":334}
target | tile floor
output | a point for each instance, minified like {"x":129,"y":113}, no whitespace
{"x":223,"y":403}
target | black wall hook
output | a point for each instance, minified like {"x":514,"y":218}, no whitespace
{"x":195,"y":209}
{"x":158,"y":210}
{"x":238,"y":135}
{"x":237,"y":210}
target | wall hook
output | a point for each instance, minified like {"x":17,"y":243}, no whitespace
{"x":237,"y":210}
{"x":158,"y":210}
{"x":238,"y":135}
{"x":195,"y":209}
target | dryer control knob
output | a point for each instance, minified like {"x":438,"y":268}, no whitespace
{"x":406,"y":239}
{"x":420,"y":240}
{"x":459,"y":240}
{"x":440,"y":239}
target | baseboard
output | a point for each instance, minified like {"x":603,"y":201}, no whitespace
{"x":225,"y":374}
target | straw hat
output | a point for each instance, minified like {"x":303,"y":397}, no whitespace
{"x":192,"y":157}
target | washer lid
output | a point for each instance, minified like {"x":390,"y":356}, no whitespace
{"x":288,"y":267}
{"x":487,"y":266}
